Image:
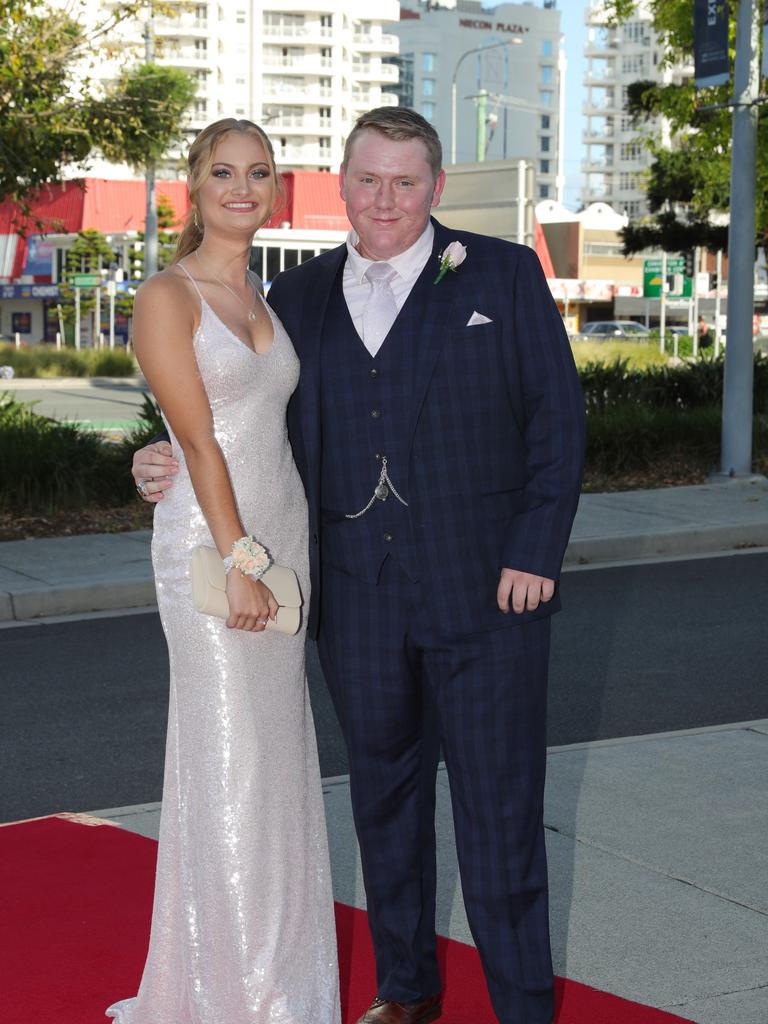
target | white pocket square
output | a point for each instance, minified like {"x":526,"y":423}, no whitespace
{"x":478,"y":318}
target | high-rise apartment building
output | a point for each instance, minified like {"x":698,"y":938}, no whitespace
{"x":509,"y":98}
{"x":615,"y":159}
{"x":303,"y":69}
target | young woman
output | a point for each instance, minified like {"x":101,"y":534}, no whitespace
{"x":242,"y":928}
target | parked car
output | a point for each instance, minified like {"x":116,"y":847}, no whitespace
{"x":613,"y":330}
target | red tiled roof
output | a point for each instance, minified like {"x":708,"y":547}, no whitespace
{"x":312,"y":202}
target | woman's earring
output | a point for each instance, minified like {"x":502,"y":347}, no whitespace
{"x":194,"y":218}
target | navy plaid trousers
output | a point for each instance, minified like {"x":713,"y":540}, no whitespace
{"x":400,"y":688}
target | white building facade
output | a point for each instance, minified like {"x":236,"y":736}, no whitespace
{"x":615,"y":159}
{"x":303,"y":69}
{"x":509,"y":98}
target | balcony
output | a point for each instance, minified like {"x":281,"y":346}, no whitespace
{"x":389,"y":99}
{"x":602,"y":106}
{"x":185,"y":25}
{"x":308,"y":32}
{"x":389,"y":73}
{"x":597,"y":165}
{"x":606,"y":132}
{"x":600,"y":76}
{"x":184,"y":57}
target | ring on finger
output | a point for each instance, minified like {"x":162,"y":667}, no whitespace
{"x":141,"y":487}
{"x":263,"y":622}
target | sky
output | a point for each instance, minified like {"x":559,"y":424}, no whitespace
{"x":575,"y":31}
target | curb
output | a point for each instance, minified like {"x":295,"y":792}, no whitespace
{"x":113,"y":595}
{"x":74,"y":598}
{"x":42,"y":383}
{"x":702,"y":541}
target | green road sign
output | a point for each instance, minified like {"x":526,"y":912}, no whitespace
{"x":680,"y":286}
{"x":85,"y":280}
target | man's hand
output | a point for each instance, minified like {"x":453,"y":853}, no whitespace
{"x":527,"y":590}
{"x":153,"y":470}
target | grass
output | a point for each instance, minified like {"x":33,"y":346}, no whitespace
{"x":636,"y":354}
{"x":46,"y":361}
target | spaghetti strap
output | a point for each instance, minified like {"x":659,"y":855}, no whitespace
{"x":194,"y":282}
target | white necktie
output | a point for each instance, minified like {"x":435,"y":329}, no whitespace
{"x":381,"y":309}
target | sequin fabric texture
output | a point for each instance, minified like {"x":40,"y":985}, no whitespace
{"x":242,"y":927}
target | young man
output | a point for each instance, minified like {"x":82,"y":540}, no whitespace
{"x":439,"y":429}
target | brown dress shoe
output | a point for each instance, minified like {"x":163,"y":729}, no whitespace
{"x":383,"y":1011}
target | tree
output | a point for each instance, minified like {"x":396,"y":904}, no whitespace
{"x":166,"y":239}
{"x":142,"y":115}
{"x":49,"y":118}
{"x":691,"y":180}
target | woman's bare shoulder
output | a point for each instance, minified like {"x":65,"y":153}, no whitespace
{"x":170,"y":287}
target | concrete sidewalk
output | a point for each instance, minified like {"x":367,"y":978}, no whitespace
{"x":657,"y":862}
{"x":102,"y":572}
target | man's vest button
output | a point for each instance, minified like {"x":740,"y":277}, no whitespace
{"x":387,"y":537}
{"x":374,"y":373}
{"x":375,"y":413}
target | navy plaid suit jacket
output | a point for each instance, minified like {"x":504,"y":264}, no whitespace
{"x":496,"y":425}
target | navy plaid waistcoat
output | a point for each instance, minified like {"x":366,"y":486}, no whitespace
{"x":365,"y":416}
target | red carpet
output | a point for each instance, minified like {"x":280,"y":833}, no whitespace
{"x":76,"y":907}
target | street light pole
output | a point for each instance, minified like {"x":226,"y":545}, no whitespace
{"x":150,"y":220}
{"x":736,"y":444}
{"x":515,"y":41}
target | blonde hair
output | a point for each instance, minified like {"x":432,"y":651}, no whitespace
{"x":200,"y":161}
{"x":399,"y":124}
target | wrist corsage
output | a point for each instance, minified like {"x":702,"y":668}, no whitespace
{"x":249,"y":557}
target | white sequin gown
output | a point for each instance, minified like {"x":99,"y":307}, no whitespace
{"x":242,"y":926}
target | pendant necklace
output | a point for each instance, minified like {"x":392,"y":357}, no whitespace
{"x":252,"y":315}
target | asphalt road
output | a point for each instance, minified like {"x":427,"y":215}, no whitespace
{"x":100,"y":405}
{"x":637,"y":650}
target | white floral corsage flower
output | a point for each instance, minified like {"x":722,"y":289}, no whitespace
{"x":249,"y":557}
{"x":452,"y":256}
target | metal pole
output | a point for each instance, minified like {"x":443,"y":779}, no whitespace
{"x":663,"y":303}
{"x":150,"y":225}
{"x":97,"y":316}
{"x":482,"y":100}
{"x":112,"y":314}
{"x":522,"y":199}
{"x":77,"y":318}
{"x":696,"y":265}
{"x":476,"y":49}
{"x":736,"y":454}
{"x":719,"y":281}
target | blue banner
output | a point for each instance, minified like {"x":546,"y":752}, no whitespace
{"x":710,"y":43}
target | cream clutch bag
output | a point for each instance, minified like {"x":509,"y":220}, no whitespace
{"x":209,"y":594}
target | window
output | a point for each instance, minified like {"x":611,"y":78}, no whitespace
{"x":546,"y":48}
{"x":543,"y":192}
{"x":545,"y":122}
{"x":631,"y":151}
{"x":547,"y":74}
{"x":544,"y":166}
{"x":428,"y":110}
{"x":428,"y":62}
{"x":544,"y":144}
{"x":240,"y":17}
{"x":428,"y":86}
{"x":545,"y":97}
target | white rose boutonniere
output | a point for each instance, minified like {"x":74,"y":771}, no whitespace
{"x":452,"y":256}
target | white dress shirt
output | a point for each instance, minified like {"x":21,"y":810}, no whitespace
{"x":408,"y":264}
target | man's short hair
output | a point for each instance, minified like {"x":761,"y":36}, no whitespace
{"x":400,"y":124}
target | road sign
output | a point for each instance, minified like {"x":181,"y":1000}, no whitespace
{"x":85,"y":280}
{"x":678,"y":285}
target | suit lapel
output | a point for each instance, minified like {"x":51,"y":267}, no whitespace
{"x":309,"y":342}
{"x":429,"y":319}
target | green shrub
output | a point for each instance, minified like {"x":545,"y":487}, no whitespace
{"x":694,"y":384}
{"x":149,"y":425}
{"x":47,"y":361}
{"x":46,"y":465}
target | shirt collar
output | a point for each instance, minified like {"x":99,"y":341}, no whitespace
{"x":407,"y":264}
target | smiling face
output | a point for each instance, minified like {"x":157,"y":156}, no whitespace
{"x":389,"y":189}
{"x":239,"y":193}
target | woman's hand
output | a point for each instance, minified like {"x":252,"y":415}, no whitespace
{"x":251,"y":603}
